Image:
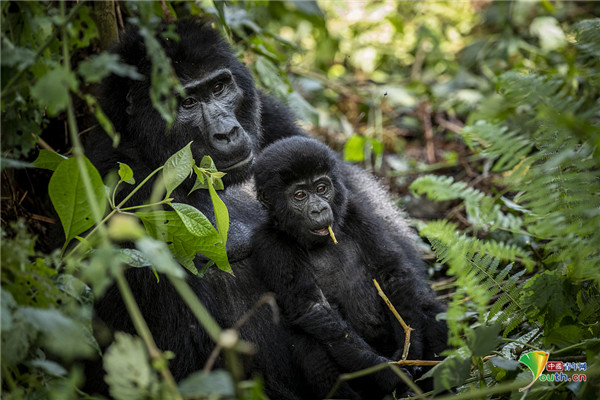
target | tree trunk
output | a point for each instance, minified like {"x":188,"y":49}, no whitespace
{"x":106,"y":21}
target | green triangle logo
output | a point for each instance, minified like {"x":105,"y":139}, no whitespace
{"x":536,"y":362}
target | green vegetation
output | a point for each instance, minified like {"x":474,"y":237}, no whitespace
{"x":482,"y":116}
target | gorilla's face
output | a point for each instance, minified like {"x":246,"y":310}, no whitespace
{"x":310,"y":203}
{"x":298,"y":181}
{"x":215,"y":116}
{"x":219,"y":111}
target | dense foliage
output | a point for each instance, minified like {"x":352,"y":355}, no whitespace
{"x":492,"y":106}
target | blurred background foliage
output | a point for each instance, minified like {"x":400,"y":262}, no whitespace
{"x":481,"y":116}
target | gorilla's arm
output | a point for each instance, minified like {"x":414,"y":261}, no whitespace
{"x":399,"y":270}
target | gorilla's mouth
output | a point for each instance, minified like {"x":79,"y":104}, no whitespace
{"x":239,"y":164}
{"x":321,"y":232}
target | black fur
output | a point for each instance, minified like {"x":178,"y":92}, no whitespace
{"x":327,"y":290}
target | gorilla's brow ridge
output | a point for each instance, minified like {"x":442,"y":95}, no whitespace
{"x":220,"y":73}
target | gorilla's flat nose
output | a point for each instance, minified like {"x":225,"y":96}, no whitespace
{"x":227,"y":137}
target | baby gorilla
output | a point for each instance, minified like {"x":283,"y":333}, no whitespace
{"x":325,"y":289}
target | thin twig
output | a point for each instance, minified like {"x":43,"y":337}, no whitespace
{"x":412,"y":363}
{"x":407,"y":329}
{"x":367,"y":371}
{"x":43,"y":143}
{"x":267,"y":298}
{"x":424,"y":114}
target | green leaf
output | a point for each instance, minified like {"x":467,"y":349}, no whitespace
{"x":60,"y":335}
{"x":19,"y":57}
{"x":195,"y":222}
{"x":82,"y":29}
{"x":221,"y":213}
{"x":52,"y":90}
{"x":128,"y":371}
{"x":126,"y":173}
{"x":207,"y":384}
{"x":200,"y":181}
{"x":452,"y":372}
{"x":102,"y":119}
{"x":271,"y":77}
{"x":501,"y":362}
{"x":98,"y":67}
{"x":354,"y":149}
{"x":208,"y":163}
{"x":177,"y":168}
{"x":48,"y":160}
{"x":69,"y":197}
{"x":484,"y":340}
{"x":168,"y":227}
{"x":159,"y":256}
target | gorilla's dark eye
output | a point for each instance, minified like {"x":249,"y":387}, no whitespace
{"x":322,"y":188}
{"x":189,"y":102}
{"x":300,"y":195}
{"x":218,"y":88}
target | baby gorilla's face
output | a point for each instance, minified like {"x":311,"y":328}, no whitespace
{"x":310,"y":201}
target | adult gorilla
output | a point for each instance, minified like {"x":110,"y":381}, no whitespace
{"x":228,"y":119}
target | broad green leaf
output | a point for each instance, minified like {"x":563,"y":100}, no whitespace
{"x":177,"y":168}
{"x":221,"y":213}
{"x":354,"y":149}
{"x":48,"y":160}
{"x":207,"y":384}
{"x":126,"y":173}
{"x":52,"y":90}
{"x":194,"y":220}
{"x":504,"y":363}
{"x":452,"y":372}
{"x":128,"y":371}
{"x":168,"y":227}
{"x":69,"y":197}
{"x":484,"y":340}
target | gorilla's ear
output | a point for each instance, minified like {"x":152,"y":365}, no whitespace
{"x":263,"y":199}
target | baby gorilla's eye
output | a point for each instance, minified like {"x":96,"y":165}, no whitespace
{"x":218,"y":87}
{"x":322,"y":188}
{"x":300,"y":195}
{"x":189,"y":102}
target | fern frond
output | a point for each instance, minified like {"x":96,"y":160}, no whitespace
{"x":507,"y":152}
{"x":482,"y":211}
{"x":477,"y":275}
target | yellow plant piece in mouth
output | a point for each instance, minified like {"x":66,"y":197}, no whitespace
{"x":332,"y":235}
